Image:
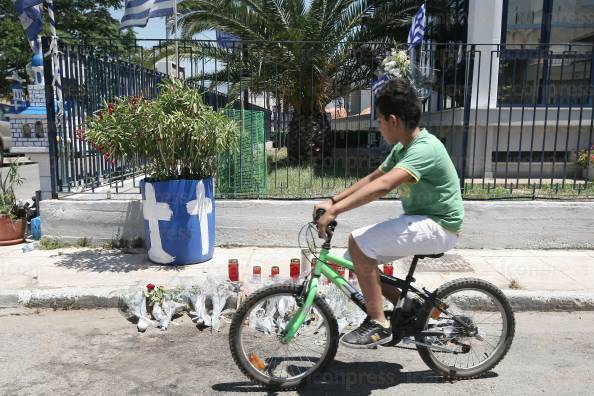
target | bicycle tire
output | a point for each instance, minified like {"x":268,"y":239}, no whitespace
{"x":442,"y":292}
{"x":238,"y":320}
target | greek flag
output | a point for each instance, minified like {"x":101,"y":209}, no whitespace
{"x":417,"y":30}
{"x":29,"y":12}
{"x":138,"y":12}
{"x":226,"y":40}
{"x":379,"y":84}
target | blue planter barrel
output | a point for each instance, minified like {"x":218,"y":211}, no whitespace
{"x":179,"y":220}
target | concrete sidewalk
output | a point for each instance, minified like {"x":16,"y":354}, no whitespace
{"x":547,"y":280}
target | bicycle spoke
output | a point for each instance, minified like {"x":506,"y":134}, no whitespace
{"x":489,"y":321}
{"x":283,"y":361}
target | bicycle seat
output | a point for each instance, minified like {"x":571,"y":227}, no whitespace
{"x":422,"y":256}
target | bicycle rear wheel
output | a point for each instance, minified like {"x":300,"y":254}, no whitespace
{"x":256,"y":331}
{"x":474,"y":337}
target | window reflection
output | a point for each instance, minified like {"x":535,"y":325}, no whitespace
{"x":547,"y":55}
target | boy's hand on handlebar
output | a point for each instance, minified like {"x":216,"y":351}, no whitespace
{"x":322,"y":205}
{"x":328,"y":217}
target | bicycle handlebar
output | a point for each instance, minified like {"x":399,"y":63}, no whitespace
{"x":331,"y":227}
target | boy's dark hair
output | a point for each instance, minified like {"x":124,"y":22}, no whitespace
{"x":399,"y":98}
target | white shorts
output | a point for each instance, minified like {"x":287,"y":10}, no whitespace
{"x":403,"y":236}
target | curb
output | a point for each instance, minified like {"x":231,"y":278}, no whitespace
{"x":63,"y":298}
{"x":104,"y":297}
{"x":550,"y":301}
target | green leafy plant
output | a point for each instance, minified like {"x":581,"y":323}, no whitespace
{"x":9,"y":205}
{"x":84,"y":242}
{"x":52,"y":244}
{"x":177,"y":134}
{"x":585,"y":158}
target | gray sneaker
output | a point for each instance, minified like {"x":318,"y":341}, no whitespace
{"x":368,"y":335}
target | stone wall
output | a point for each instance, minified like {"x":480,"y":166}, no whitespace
{"x":17,"y":124}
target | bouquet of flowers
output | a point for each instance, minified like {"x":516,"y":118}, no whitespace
{"x":397,"y":64}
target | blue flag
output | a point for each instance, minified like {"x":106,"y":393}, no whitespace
{"x":22,"y":5}
{"x":379,"y":84}
{"x":29,"y":12}
{"x":226,"y":40}
{"x":138,"y":12}
{"x":417,"y":29}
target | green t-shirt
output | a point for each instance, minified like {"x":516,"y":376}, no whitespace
{"x":436,"y":192}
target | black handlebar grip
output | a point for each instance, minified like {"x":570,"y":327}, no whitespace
{"x":319,"y":213}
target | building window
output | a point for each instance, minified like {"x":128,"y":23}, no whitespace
{"x":27,"y":131}
{"x":39,"y":129}
{"x":546,"y":52}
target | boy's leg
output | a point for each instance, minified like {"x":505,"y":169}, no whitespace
{"x":391,"y":293}
{"x":375,"y":329}
{"x":368,"y":276}
{"x":403,"y":236}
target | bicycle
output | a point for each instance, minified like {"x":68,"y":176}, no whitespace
{"x":283,"y":334}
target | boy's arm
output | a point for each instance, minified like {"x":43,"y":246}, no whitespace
{"x":362,"y":182}
{"x":369,"y":192}
{"x":357,"y":186}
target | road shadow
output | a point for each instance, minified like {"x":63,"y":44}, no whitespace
{"x":360,"y":378}
{"x":100,"y":260}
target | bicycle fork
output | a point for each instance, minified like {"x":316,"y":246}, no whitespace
{"x":311,"y":291}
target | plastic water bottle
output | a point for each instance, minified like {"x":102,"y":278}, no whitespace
{"x":29,"y":247}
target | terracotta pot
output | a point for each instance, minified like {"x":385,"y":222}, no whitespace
{"x":11,"y":231}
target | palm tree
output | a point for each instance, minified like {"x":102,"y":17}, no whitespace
{"x":303,"y":55}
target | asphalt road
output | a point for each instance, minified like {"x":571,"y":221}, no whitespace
{"x":100,"y":353}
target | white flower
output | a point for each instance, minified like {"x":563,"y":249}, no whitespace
{"x":391,"y":64}
{"x":402,"y":57}
{"x":396,"y":73}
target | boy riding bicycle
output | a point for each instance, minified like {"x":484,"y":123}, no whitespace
{"x":428,"y":186}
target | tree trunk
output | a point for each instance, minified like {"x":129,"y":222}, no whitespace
{"x":309,"y":139}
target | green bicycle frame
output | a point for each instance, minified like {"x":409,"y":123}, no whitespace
{"x":321,"y":268}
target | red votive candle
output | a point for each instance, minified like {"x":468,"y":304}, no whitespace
{"x":295,"y":269}
{"x":233,"y":270}
{"x":257,"y":272}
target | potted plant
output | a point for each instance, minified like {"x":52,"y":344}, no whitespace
{"x":585,"y":159}
{"x":179,"y":138}
{"x":13,"y":221}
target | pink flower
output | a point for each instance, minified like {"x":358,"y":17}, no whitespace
{"x":150,"y":286}
{"x":80,"y":133}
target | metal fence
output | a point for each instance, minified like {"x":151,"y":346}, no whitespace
{"x":515,"y":119}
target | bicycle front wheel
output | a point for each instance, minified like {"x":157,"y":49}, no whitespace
{"x":256,"y":331}
{"x":474,"y":335}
